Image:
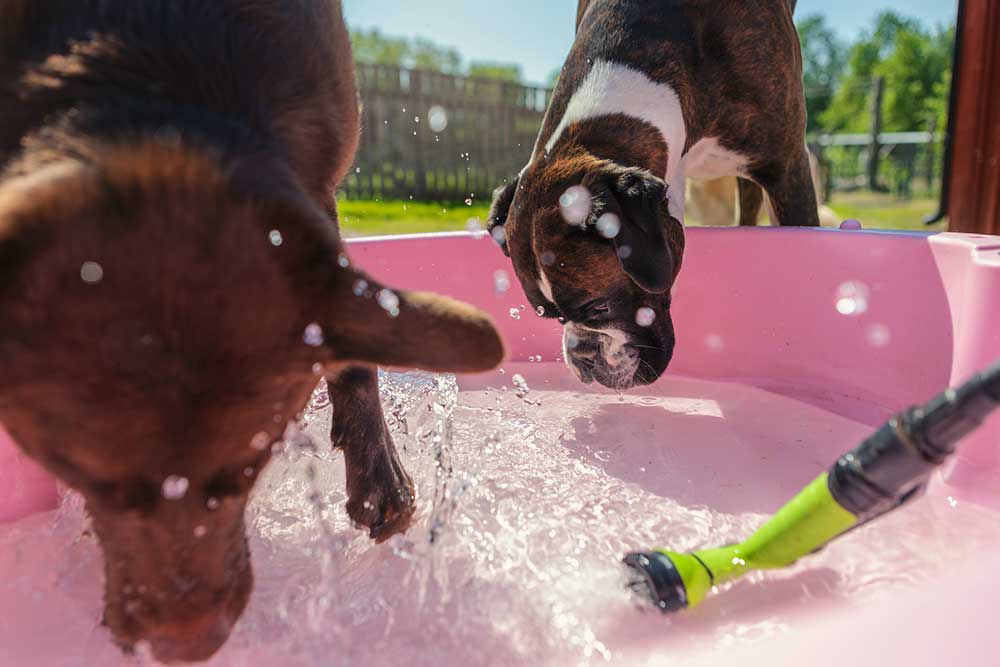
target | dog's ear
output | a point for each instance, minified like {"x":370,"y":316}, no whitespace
{"x":503,"y":197}
{"x":378,"y":325}
{"x":649,"y":241}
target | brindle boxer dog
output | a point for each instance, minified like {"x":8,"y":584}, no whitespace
{"x":653,"y":92}
{"x":172,"y":281}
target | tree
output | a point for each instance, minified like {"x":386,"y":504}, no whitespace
{"x":823,"y":60}
{"x":496,"y":71}
{"x":915,"y":66}
{"x":371,"y":46}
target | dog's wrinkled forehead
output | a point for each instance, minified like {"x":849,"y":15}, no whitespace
{"x":577,"y":231}
{"x":556,"y":253}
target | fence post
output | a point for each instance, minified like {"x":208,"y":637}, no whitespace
{"x":875,"y":148}
{"x":931,"y":147}
{"x":419,"y":167}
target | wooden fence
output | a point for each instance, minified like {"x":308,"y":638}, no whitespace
{"x":429,"y":136}
{"x":432,"y":136}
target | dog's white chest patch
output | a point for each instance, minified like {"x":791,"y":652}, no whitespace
{"x":612,"y":88}
{"x":708,"y":160}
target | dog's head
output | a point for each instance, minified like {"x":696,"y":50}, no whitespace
{"x":593,"y":244}
{"x":160,"y":323}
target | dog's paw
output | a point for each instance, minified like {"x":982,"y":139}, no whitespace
{"x":382,"y":501}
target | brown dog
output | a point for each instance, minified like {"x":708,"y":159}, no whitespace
{"x":653,"y":92}
{"x":172,"y":281}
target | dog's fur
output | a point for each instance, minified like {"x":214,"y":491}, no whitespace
{"x":653,"y":92}
{"x":716,"y":202}
{"x":167,"y":236}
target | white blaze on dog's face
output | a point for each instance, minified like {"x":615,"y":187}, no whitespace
{"x":599,"y":266}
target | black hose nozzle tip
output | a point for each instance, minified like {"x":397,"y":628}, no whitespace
{"x":658,"y":579}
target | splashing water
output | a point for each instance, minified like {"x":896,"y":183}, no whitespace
{"x":575,"y":205}
{"x":852,"y":298}
{"x":91,"y":273}
{"x":389,"y":302}
{"x":514,"y":313}
{"x":174,"y":487}
{"x":437,"y":118}
{"x":501,"y":282}
{"x":609,"y":225}
{"x":645,"y":316}
{"x":523,"y":514}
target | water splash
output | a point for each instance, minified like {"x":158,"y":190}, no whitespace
{"x":175,"y":487}
{"x":575,"y":205}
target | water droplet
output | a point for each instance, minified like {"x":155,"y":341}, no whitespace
{"x":175,"y":487}
{"x":389,"y":302}
{"x":602,"y":455}
{"x":212,"y":503}
{"x":852,"y":298}
{"x":468,"y":201}
{"x":540,"y":311}
{"x":548,"y":258}
{"x":474,"y":225}
{"x":952,"y":502}
{"x":571,"y":340}
{"x":437,"y":118}
{"x":261,"y":441}
{"x":645,"y":316}
{"x":275,"y":238}
{"x":357,"y":170}
{"x":715,"y":342}
{"x":503,"y":372}
{"x":360,"y":287}
{"x":624,"y":252}
{"x":501,"y":282}
{"x":248,"y":472}
{"x":575,"y":205}
{"x":313,"y":335}
{"x":317,"y":369}
{"x":499,"y":235}
{"x":609,"y":225}
{"x":851,"y":224}
{"x":521,"y":388}
{"x":343,"y":261}
{"x":416,"y":119}
{"x":91,"y":273}
{"x":515,"y":313}
{"x":879,"y":335}
{"x":200,"y":531}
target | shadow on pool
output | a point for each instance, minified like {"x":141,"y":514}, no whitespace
{"x":735,"y":461}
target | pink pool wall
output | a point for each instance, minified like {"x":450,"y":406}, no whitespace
{"x":755,"y":306}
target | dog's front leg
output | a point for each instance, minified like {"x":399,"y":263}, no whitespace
{"x":380,"y":494}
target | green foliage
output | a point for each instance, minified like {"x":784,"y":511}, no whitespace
{"x":371,"y":46}
{"x":915,"y":65}
{"x":823,"y":60}
{"x":496,"y":71}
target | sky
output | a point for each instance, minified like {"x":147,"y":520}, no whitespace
{"x":537,"y":34}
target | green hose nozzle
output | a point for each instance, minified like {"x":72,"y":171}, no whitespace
{"x":883,"y":473}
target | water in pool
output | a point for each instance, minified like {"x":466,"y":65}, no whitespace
{"x":530,"y":491}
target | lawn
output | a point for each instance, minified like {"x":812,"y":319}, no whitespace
{"x":878,"y":211}
{"x":375,"y":218}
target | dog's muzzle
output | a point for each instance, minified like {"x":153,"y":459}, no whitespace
{"x":615,"y":358}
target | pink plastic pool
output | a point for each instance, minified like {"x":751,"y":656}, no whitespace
{"x":792,"y":345}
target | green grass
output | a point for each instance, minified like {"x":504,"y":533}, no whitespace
{"x":879,"y":211}
{"x":376,"y":218}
